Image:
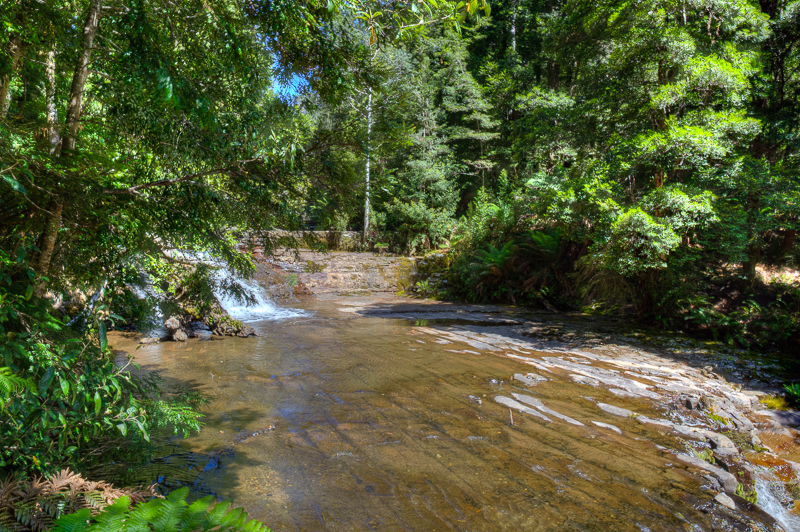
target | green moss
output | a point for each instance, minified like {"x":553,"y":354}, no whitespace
{"x":313,"y":267}
{"x":775,"y":402}
{"x":749,"y":495}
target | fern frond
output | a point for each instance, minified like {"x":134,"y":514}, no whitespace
{"x":10,"y":383}
{"x":196,"y":513}
{"x":113,"y":517}
{"x":77,"y":522}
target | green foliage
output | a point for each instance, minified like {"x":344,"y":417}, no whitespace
{"x":416,"y":227}
{"x":172,"y":514}
{"x":750,"y":495}
{"x":63,"y":399}
{"x":36,"y":504}
{"x":636,"y":243}
{"x":793,"y":392}
{"x":492,"y":271}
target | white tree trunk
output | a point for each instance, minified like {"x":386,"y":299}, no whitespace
{"x":514,"y":27}
{"x":53,"y":138}
{"x":368,"y":148}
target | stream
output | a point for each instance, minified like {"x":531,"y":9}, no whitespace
{"x":384,"y":413}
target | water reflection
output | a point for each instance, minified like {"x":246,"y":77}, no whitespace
{"x":377,"y":427}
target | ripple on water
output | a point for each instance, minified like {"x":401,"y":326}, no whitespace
{"x":371,"y":435}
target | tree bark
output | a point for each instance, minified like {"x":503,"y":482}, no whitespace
{"x":53,"y":138}
{"x":74,"y":108}
{"x":52,"y":225}
{"x":788,"y":241}
{"x":15,"y":52}
{"x":553,"y":75}
{"x":369,"y":141}
{"x":75,"y":104}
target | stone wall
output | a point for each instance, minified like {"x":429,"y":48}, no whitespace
{"x":338,"y":271}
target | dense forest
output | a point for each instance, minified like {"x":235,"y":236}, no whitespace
{"x":639,"y":158}
{"x":631,"y":158}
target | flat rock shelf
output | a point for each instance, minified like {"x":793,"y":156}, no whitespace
{"x":380,"y":412}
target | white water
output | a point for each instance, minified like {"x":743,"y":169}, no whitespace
{"x":261,"y":308}
{"x":770,"y":493}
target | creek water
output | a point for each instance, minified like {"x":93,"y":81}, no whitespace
{"x":333,"y":421}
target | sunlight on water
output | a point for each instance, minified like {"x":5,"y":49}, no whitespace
{"x":770,"y":494}
{"x":262,"y":308}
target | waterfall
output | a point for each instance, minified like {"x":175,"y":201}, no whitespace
{"x":771,"y":497}
{"x":258,"y":309}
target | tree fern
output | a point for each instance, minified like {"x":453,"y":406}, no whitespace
{"x":172,"y":514}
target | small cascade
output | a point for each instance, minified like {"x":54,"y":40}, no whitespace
{"x":259,"y":308}
{"x":773,"y":499}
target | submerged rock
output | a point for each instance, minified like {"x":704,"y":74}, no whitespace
{"x":607,"y":426}
{"x":614,"y":410}
{"x":529,"y":379}
{"x":507,"y":401}
{"x":727,"y":480}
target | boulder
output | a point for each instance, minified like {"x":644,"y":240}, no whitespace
{"x":179,"y":336}
{"x":172,"y":324}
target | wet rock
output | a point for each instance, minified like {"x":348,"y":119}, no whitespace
{"x":179,"y":336}
{"x":172,"y":324}
{"x":720,"y":443}
{"x":475,"y":400}
{"x":614,"y":410}
{"x":246,"y":331}
{"x":529,"y":379}
{"x":538,"y":405}
{"x":741,"y":422}
{"x":148,"y":341}
{"x":607,"y":426}
{"x":582,"y":379}
{"x":651,"y":421}
{"x":691,"y":402}
{"x":507,"y":401}
{"x":786,"y":418}
{"x":199,"y":326}
{"x":725,"y":501}
{"x":727,"y":480}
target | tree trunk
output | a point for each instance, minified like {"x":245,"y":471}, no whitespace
{"x":514,"y":26}
{"x":75,"y":104}
{"x":53,"y":138}
{"x":788,"y":241}
{"x":658,"y":177}
{"x":74,"y":108}
{"x":754,"y":252}
{"x":15,"y":52}
{"x":369,"y":142}
{"x":52,"y":225}
{"x":553,"y":75}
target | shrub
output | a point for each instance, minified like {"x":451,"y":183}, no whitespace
{"x":64,"y":401}
{"x":172,"y":514}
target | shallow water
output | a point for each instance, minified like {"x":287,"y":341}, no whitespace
{"x":378,"y":427}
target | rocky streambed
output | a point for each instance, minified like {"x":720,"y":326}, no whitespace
{"x":364,"y":412}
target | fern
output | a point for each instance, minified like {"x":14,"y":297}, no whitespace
{"x":36,"y":504}
{"x":11,"y":383}
{"x":172,"y":514}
